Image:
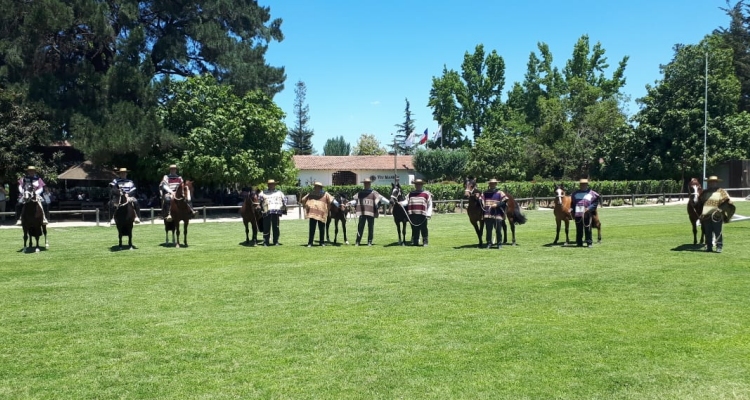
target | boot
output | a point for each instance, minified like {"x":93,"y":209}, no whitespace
{"x":137,"y":220}
{"x":424,"y":241}
{"x":18,"y":223}
{"x":44,"y":221}
{"x":112,"y":222}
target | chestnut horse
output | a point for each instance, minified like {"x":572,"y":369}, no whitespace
{"x":562,"y":212}
{"x":179,"y":208}
{"x":252,"y":216}
{"x":512,"y":212}
{"x":336,"y":215}
{"x":32,"y":216}
{"x":695,"y":208}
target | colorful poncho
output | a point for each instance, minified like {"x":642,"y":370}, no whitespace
{"x":272,"y":202}
{"x":584,"y":200}
{"x":712,"y":199}
{"x":367,"y":202}
{"x":493,"y":201}
{"x":419,"y":203}
{"x":317,"y":204}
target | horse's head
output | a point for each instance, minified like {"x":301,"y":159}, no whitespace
{"x":184,"y":191}
{"x":559,"y":193}
{"x":254,"y":198}
{"x":28,"y":193}
{"x":695,"y":190}
{"x":396,"y":193}
{"x":470,"y":187}
{"x":343,"y":201}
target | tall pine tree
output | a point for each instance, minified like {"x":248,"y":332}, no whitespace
{"x":405,"y":129}
{"x":300,"y":136}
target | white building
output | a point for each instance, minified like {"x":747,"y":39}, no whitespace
{"x":351,"y":170}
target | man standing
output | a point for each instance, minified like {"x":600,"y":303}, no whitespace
{"x":419,"y":209}
{"x":715,"y":200}
{"x":126,"y":185}
{"x":169,"y":184}
{"x":273,"y":204}
{"x":37,"y":185}
{"x":316,"y":205}
{"x":367,"y":203}
{"x":3,"y":198}
{"x":584,"y":202}
{"x":494,"y":212}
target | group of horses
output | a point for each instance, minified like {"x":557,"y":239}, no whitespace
{"x":251,"y":212}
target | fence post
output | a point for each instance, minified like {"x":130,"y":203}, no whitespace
{"x":533,"y":202}
{"x":97,"y":217}
{"x":204,"y":213}
{"x":299,"y":212}
{"x":632,"y":199}
{"x":152,"y":215}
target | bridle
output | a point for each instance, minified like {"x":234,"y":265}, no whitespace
{"x":559,"y":193}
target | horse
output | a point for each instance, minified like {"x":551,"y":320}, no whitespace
{"x":512,"y":212}
{"x":124,"y":216}
{"x":562,"y":212}
{"x":32,"y":216}
{"x":251,"y":216}
{"x":399,"y":212}
{"x":338,"y":214}
{"x":474,"y":209}
{"x":695,"y":209}
{"x":180,"y":210}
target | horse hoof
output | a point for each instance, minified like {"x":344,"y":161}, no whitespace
{"x":131,"y":248}
{"x":347,"y":242}
{"x":37,"y":250}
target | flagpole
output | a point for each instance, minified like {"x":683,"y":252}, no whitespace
{"x":705,"y":124}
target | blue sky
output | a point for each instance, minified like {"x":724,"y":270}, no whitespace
{"x":360,"y":60}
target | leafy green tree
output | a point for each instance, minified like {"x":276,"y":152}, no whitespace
{"x":441,"y":164}
{"x":22,"y":131}
{"x":368,"y":145}
{"x":103,"y":58}
{"x":226,"y":139}
{"x":300,"y":136}
{"x":670,"y":123}
{"x":737,"y":37}
{"x":337,"y":147}
{"x":446,"y":112}
{"x":403,"y":131}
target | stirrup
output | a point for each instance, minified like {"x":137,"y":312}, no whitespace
{"x":137,"y":220}
{"x":44,"y":221}
{"x":19,"y":222}
{"x":112,"y":221}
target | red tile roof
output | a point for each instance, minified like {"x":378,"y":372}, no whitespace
{"x":352,"y":162}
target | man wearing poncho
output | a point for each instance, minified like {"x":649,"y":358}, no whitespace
{"x":584,"y":202}
{"x":419,"y":210}
{"x":494,"y":212}
{"x":366,"y":204}
{"x":317,"y":204}
{"x":717,"y":209}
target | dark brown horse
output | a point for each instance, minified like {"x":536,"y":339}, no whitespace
{"x":179,"y":209}
{"x":474,"y":209}
{"x":32,"y":216}
{"x":336,"y":215}
{"x":562,"y":212}
{"x":695,"y":208}
{"x":512,"y":212}
{"x":124,"y":216}
{"x":399,"y":212}
{"x":252,"y":216}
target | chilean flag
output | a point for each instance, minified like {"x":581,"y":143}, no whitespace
{"x":424,"y":138}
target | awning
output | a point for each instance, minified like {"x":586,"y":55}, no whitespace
{"x":86,"y":171}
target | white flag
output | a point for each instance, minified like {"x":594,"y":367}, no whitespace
{"x":439,"y":132}
{"x":409,"y":142}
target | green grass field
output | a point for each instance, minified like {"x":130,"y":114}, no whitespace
{"x":641,"y":316}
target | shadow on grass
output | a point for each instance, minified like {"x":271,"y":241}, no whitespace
{"x":117,"y":248}
{"x":470,"y":246}
{"x":30,"y":250}
{"x":689,"y":247}
{"x":172,"y":245}
{"x":249,"y":244}
{"x":395,"y":244}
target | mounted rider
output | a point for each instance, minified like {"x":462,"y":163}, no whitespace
{"x":717,"y":209}
{"x":168,"y":185}
{"x":584,"y":202}
{"x":366,"y":203}
{"x":37,"y":184}
{"x":128,"y":187}
{"x":495,"y":203}
{"x":419,"y":210}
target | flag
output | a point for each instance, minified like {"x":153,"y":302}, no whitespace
{"x":409,"y":140}
{"x":438,"y":133}
{"x":424,"y":137}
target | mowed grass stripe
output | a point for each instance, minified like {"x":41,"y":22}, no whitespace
{"x":630,"y":318}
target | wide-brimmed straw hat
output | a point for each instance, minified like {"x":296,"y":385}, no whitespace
{"x":122,"y":170}
{"x":367,"y":180}
{"x":584,"y":180}
{"x":173,"y":166}
{"x":31,"y":168}
{"x":418,"y":182}
{"x":271,"y":182}
{"x":493,"y":180}
{"x":318,"y":184}
{"x":713,"y":178}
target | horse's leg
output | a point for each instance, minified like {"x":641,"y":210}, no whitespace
{"x":184,"y":235}
{"x":247,"y":231}
{"x":343,"y":227}
{"x":398,"y":229}
{"x":558,"y":221}
{"x":177,"y":228}
{"x":512,"y":232}
{"x":37,"y":244}
{"x":335,"y":229}
{"x":119,"y":235}
{"x":328,"y":225}
{"x":505,"y":231}
{"x":25,"y":235}
{"x":598,"y":230}
{"x":44,"y":231}
{"x":567,"y":225}
{"x":475,"y":224}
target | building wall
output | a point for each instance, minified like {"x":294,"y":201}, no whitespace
{"x":382,"y":177}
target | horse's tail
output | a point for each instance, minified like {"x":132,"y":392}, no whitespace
{"x":518,"y":217}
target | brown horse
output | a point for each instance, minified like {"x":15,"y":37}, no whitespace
{"x":562,"y":212}
{"x":336,"y":215}
{"x":512,"y":212}
{"x":32,"y":216}
{"x":474,"y":209}
{"x":124,"y":216}
{"x":399,"y":212}
{"x":252,"y":216}
{"x":695,"y":208}
{"x":180,"y":210}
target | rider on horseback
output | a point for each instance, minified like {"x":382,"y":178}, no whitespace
{"x":169,"y":184}
{"x":128,"y":187}
{"x":33,"y":180}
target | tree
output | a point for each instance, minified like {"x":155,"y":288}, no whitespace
{"x":403,"y":132}
{"x":226,"y":139}
{"x":300,"y":136}
{"x":368,"y":145}
{"x":671,"y":119}
{"x":104,"y":58}
{"x":737,"y":37}
{"x":22,"y":131}
{"x":445,"y":110}
{"x":441,"y":164}
{"x":483,"y":82}
{"x":337,"y":147}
